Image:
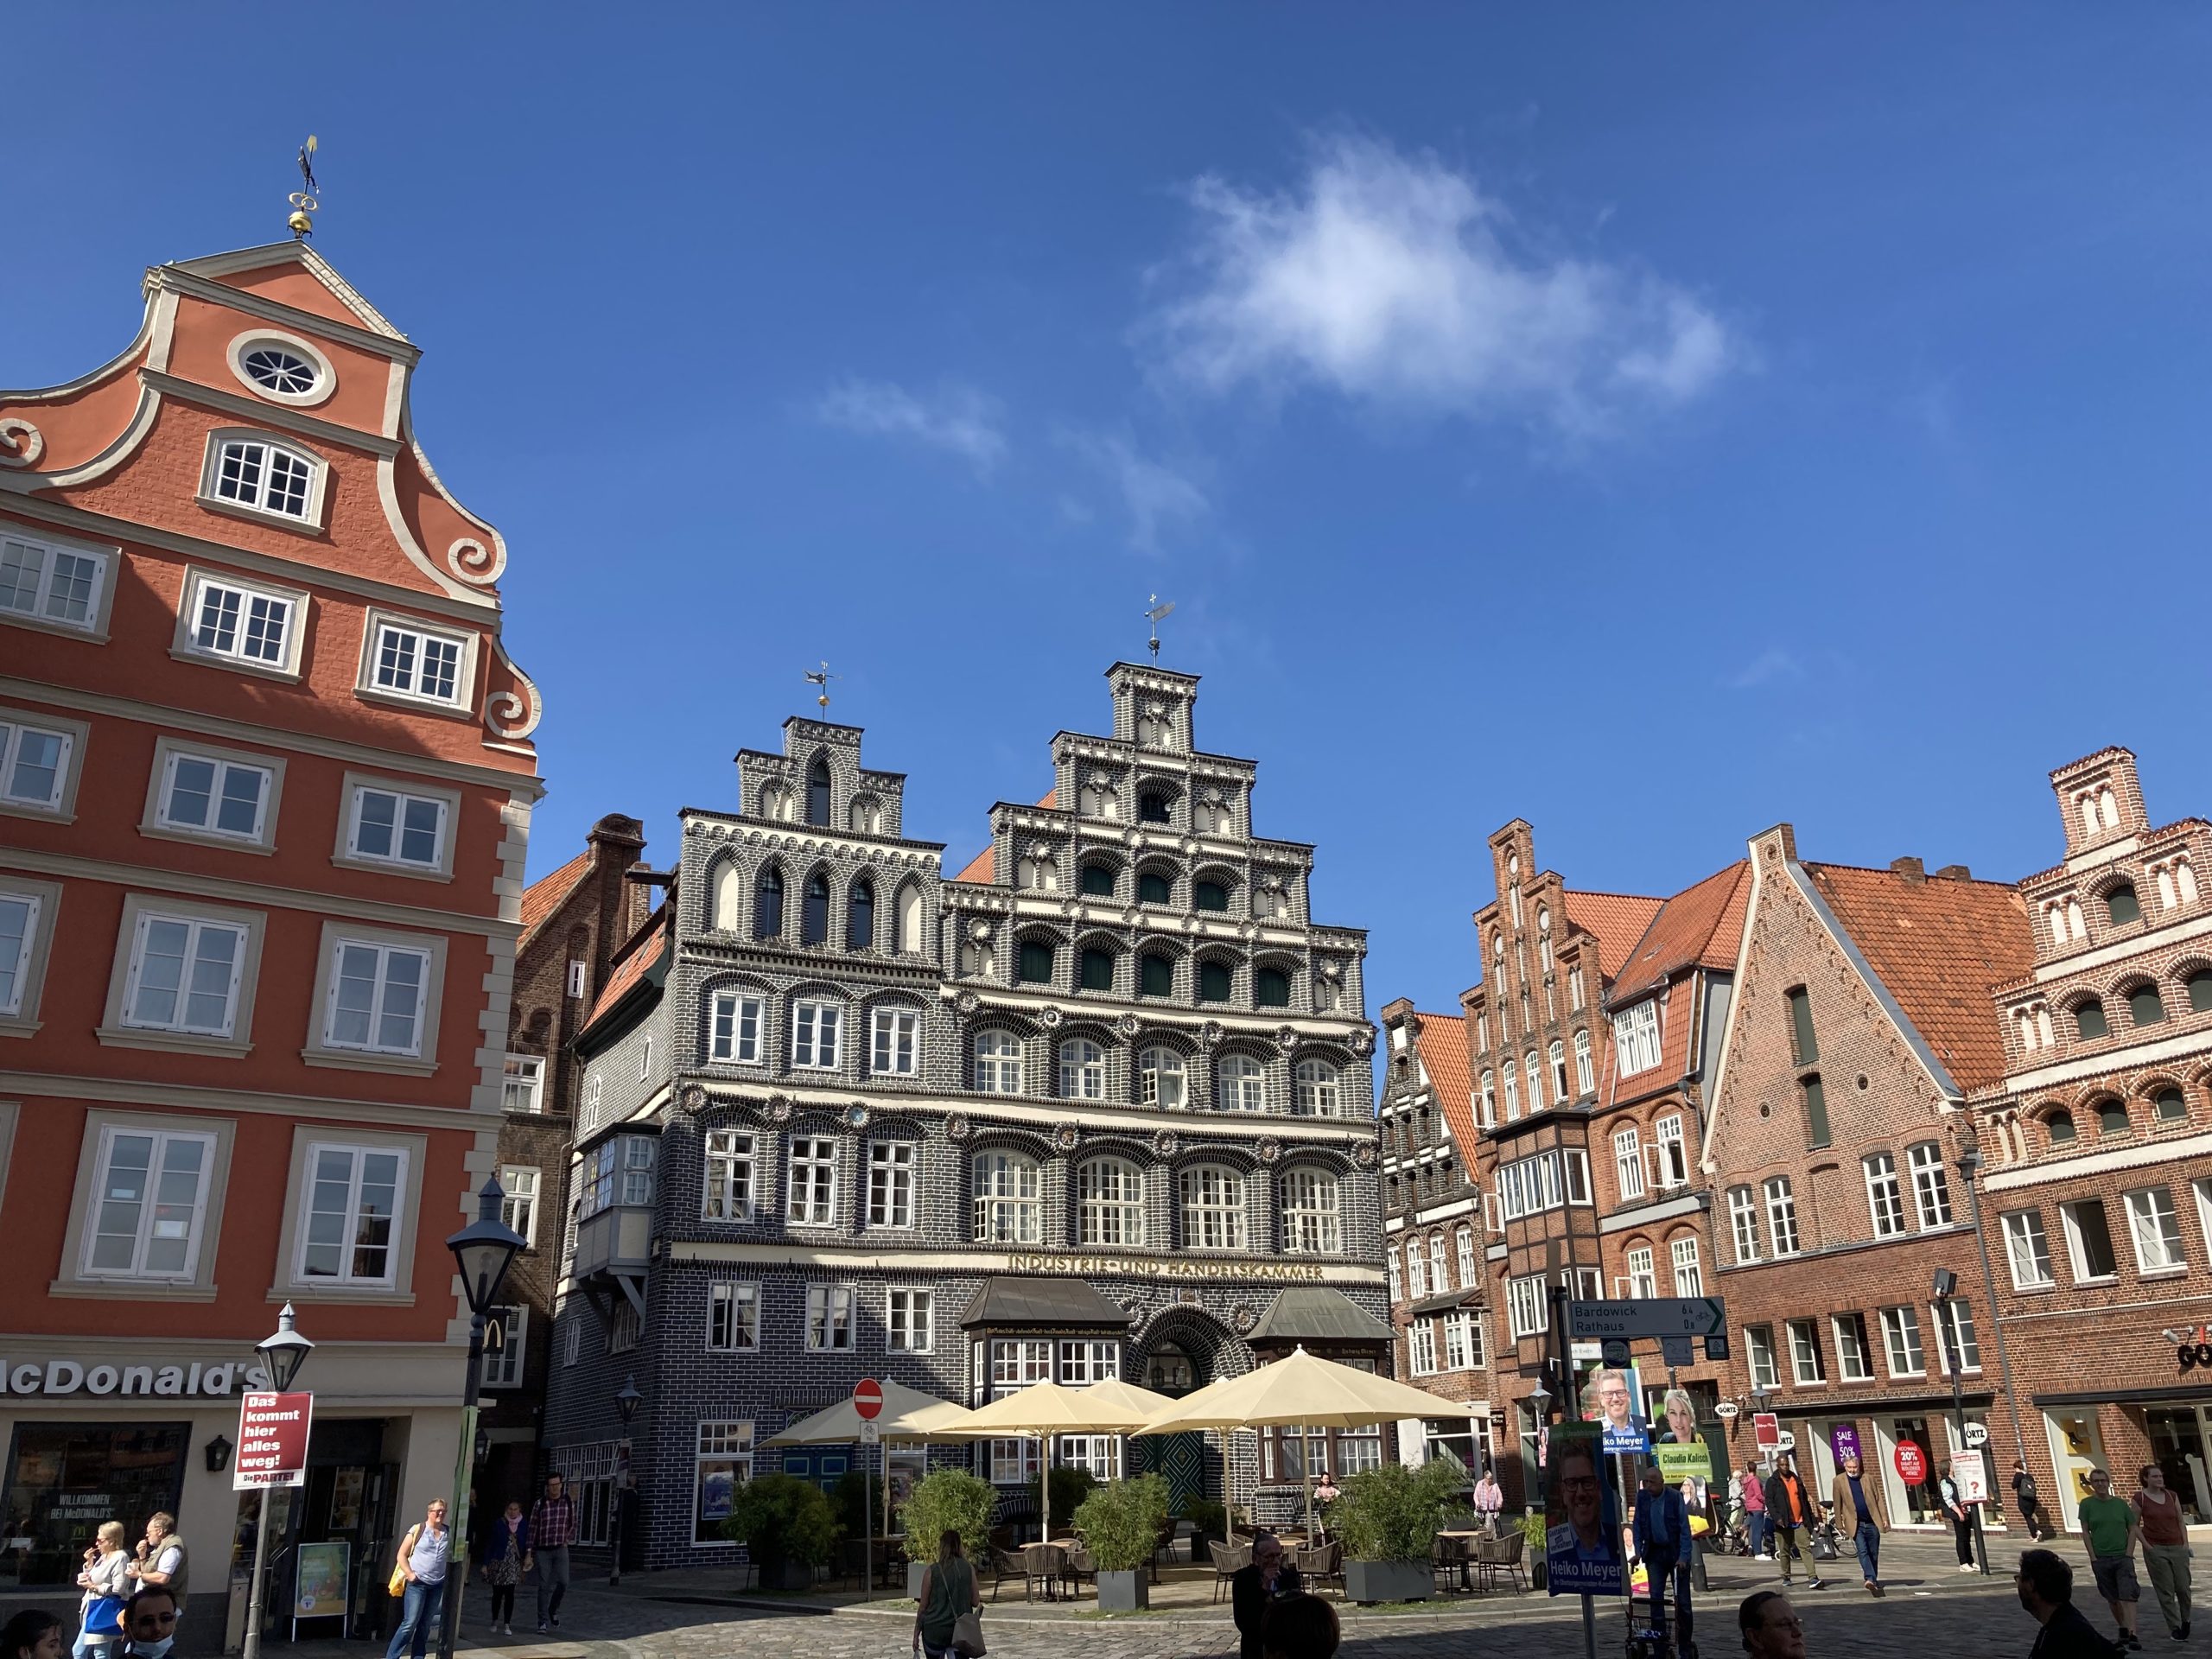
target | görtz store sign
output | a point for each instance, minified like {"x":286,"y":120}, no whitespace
{"x":51,"y":1378}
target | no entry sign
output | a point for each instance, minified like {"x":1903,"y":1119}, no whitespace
{"x":272,"y":1440}
{"x":868,"y":1398}
{"x":1912,"y":1462}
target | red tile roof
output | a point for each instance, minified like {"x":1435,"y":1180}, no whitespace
{"x":1698,"y":927}
{"x":546,"y":894}
{"x":1938,"y":946}
{"x":1619,"y":920}
{"x":1443,"y":1043}
{"x":982,"y":868}
{"x":1052,"y":801}
{"x":647,"y":946}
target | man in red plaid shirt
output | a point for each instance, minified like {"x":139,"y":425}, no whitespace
{"x":552,"y":1530}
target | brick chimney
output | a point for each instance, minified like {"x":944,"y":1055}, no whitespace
{"x":1911,"y":869}
{"x":1955,"y":873}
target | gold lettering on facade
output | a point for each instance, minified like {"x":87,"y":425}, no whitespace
{"x":1141,"y":1267}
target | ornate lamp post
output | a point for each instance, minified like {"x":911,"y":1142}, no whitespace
{"x":626,"y":1401}
{"x":282,"y":1356}
{"x":482,"y":1250}
{"x":1945,"y":1287}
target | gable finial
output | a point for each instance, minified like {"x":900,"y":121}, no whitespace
{"x":820,"y":677}
{"x":1156,"y":615}
{"x":303,"y":201}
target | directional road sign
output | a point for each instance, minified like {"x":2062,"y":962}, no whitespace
{"x":1648,"y":1316}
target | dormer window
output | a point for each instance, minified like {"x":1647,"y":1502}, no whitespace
{"x":257,"y":474}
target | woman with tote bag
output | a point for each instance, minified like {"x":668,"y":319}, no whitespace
{"x":948,"y":1623}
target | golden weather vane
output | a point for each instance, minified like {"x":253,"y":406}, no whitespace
{"x":820,"y":678}
{"x":303,"y":201}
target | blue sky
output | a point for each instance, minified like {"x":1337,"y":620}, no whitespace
{"x":1651,"y":422}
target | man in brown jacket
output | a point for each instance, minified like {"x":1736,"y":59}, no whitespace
{"x":1855,"y":1508}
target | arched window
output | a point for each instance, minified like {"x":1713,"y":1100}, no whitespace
{"x":1099,"y":799}
{"x":859,"y":915}
{"x":1035,"y":963}
{"x":776,"y":803}
{"x":259,"y":473}
{"x":1416,"y":1270}
{"x":2199,"y":991}
{"x":1094,"y":970}
{"x":2058,"y":1128}
{"x":1271,"y":989}
{"x":865,"y":816}
{"x":1560,"y":1090}
{"x":814,"y":914}
{"x":1437,"y":1275}
{"x":910,"y":917}
{"x":1007,"y":1208}
{"x":1585,"y":1074}
{"x":1490,"y":1099}
{"x":1156,"y":976}
{"x":1160,"y":1078}
{"x":998,"y":1063}
{"x":1153,"y":889}
{"x":2143,"y":1007}
{"x":1467,"y":1257}
{"x":1544,"y":936}
{"x":1243,"y":1085}
{"x":977,"y":957}
{"x":1082,"y":1070}
{"x":818,"y":792}
{"x":2108,"y":807}
{"x":1319,"y":1090}
{"x":2168,"y":1105}
{"x":729,"y":898}
{"x":2111,"y":1117}
{"x":1109,"y":1202}
{"x":1512,"y":1094}
{"x":1151,"y":807}
{"x":1039,"y":871}
{"x":1215,"y":980}
{"x":1213,"y":1207}
{"x":1098,"y":880}
{"x":1309,"y":1213}
{"x":2122,"y":905}
{"x":1513,"y":879}
{"x":768,"y":904}
{"x":2090,"y":1022}
{"x":1209,"y":896}
{"x":2185,"y":875}
{"x":1536,"y":1081}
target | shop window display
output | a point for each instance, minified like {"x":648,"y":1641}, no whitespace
{"x":64,"y":1480}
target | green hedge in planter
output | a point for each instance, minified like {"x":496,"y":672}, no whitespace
{"x":1391,"y":1513}
{"x":1070,"y":1487}
{"x":1121,"y":1522}
{"x":948,"y":1500}
{"x":780,"y":1519}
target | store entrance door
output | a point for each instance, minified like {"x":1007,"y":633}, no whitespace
{"x":2178,"y":1447}
{"x":330,"y":1540}
{"x":1917,"y":1504}
{"x":2076,"y":1448}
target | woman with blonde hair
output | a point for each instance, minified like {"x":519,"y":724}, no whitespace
{"x":104,"y":1582}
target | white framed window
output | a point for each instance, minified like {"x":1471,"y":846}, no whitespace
{"x":1586,"y":1073}
{"x":1885,"y":1200}
{"x":1628,"y":1163}
{"x":2203,"y":1188}
{"x":1807,"y":1365}
{"x":375,"y":997}
{"x":349,"y":1216}
{"x":1853,"y":1363}
{"x":519,"y":1207}
{"x":1436,"y":1269}
{"x":1212,"y":1202}
{"x":391,"y":826}
{"x":1317,"y":1089}
{"x":723,"y":1462}
{"x":1782,"y":1216}
{"x":1931,"y":1189}
{"x":1535,"y":1077}
{"x":1558,"y":1054}
{"x":34,"y":760}
{"x":595,"y":1094}
{"x":726,"y":1194}
{"x":1955,"y":1321}
{"x":1576,"y":1166}
{"x":1009,"y":1208}
{"x":1082,"y":1070}
{"x":2155,"y":1229}
{"x":149,"y":1205}
{"x":891,"y":1184}
{"x":19,"y":911}
{"x":572,"y":1341}
{"x":1512,"y":1094}
{"x":645,"y":1057}
{"x":523,"y":1087}
{"x":1458,"y":1351}
{"x":1309,"y":1214}
{"x":734,"y":1033}
{"x":1489,"y":1100}
{"x":52,"y":584}
{"x":1635,"y":1037}
{"x":1527,"y":1311}
{"x":2088,"y":1241}
{"x":732,"y":1318}
{"x":909,"y":1320}
{"x":1110,"y":1203}
{"x":1744,"y":1222}
{"x":1689,"y":1272}
{"x":263,"y":474}
{"x":815,"y":1027}
{"x":639,"y":1151}
{"x":576,"y":978}
{"x":894,"y":1042}
{"x":1421,"y":1347}
{"x":1016,"y":1363}
{"x":1397,"y":1275}
{"x":503,"y":1364}
{"x":813,"y":1198}
{"x":2027,"y":1250}
{"x":1642,"y":1281}
{"x":405,"y":659}
{"x":283,"y":368}
{"x":998,"y":1063}
{"x":1243,"y":1085}
{"x":184,"y":974}
{"x":1901,"y":1342}
{"x":1416,"y":1270}
{"x":1672,"y":1155}
{"x":828,"y":1318}
{"x":1467,"y":1257}
{"x":1012,"y":1462}
{"x":1161,"y":1079}
{"x":239,"y":622}
{"x":1082,"y":1363}
{"x":1759,"y":1355}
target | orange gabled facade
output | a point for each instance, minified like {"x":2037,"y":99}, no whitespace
{"x":265,"y":788}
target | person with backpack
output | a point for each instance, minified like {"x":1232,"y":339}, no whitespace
{"x":2030,"y":1502}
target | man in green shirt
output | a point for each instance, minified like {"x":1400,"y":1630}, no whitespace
{"x":2108,"y":1524}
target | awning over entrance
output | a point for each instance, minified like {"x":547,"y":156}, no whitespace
{"x":1316,"y":1314}
{"x":1449,"y":1300}
{"x":1058,"y":1304}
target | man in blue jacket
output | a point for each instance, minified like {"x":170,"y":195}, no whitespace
{"x":1663,"y":1544}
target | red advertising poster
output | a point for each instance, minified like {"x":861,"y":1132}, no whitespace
{"x":1766,"y":1428}
{"x":1912,"y":1462}
{"x":272,"y":1442}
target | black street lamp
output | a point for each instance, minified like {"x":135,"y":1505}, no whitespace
{"x":281,"y":1356}
{"x":1969,"y":1163}
{"x":482,"y":1250}
{"x":626,"y":1401}
{"x":1945,"y":1287}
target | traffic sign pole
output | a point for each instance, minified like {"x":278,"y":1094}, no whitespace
{"x":868,"y":1402}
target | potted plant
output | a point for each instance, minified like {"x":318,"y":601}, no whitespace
{"x":787,"y":1525}
{"x":947,"y":1500}
{"x":1209,"y":1521}
{"x":1120,"y":1525}
{"x":1388,"y":1519}
{"x":1070,"y":1486}
{"x":1533,"y":1530}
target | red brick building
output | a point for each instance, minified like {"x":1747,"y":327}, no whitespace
{"x":2098,"y":1199}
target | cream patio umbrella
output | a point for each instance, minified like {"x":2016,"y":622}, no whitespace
{"x":907,"y":1415}
{"x":1048,"y":1408}
{"x":1301,"y":1390}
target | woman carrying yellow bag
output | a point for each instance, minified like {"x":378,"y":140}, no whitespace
{"x":419,"y":1577}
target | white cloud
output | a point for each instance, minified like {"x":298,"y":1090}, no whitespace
{"x":1154,"y":495}
{"x":958,"y":419}
{"x":1394,"y":280}
{"x":1770,"y":667}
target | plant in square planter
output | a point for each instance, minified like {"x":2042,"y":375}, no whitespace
{"x":1120,"y":1525}
{"x":1388,"y":1518}
{"x":1533,"y":1530}
{"x":787,"y":1525}
{"x":946,"y":1500}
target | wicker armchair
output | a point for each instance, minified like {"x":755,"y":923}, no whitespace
{"x":1447,"y":1559}
{"x":1227,"y":1560}
{"x":1323,"y":1564}
{"x":1005,"y":1564}
{"x":1501,"y":1555}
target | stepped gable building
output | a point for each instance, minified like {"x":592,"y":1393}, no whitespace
{"x":2098,"y":1202}
{"x":574,"y":920}
{"x":1432,"y":1230}
{"x":1097,"y":1107}
{"x":1862,"y":1025}
{"x":265,"y":787}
